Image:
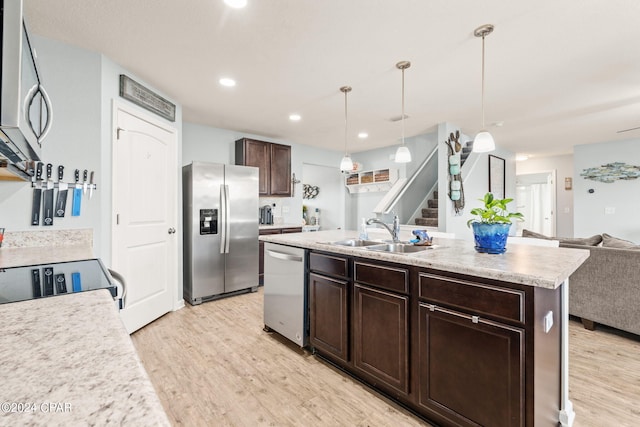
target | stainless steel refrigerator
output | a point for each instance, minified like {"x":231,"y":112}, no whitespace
{"x":220,"y":214}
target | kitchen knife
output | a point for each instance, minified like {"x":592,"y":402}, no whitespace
{"x":77,"y":195}
{"x":91,"y":185}
{"x":61,"y":201}
{"x":37,"y":196}
{"x":84,"y":182}
{"x":47,"y":215}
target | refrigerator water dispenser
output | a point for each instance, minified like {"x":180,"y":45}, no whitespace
{"x":208,"y":221}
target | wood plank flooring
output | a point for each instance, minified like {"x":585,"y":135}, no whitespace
{"x":213,"y":365}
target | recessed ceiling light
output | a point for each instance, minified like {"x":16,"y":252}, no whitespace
{"x":521,"y":157}
{"x":363,"y":135}
{"x":237,"y":4}
{"x":295,"y":117}
{"x":225,"y":81}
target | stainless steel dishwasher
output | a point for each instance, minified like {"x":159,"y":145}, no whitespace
{"x":285,"y":308}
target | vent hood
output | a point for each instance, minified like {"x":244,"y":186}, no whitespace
{"x":25,"y":108}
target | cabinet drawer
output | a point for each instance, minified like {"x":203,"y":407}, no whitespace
{"x":266,"y":231}
{"x":292,"y":230}
{"x":332,"y":265}
{"x":391,"y":278}
{"x":477,"y":298}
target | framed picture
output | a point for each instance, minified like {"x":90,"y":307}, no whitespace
{"x":496,"y":176}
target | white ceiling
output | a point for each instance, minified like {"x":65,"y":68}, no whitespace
{"x":558,"y":73}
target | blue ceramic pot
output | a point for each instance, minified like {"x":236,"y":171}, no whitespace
{"x":490,"y":238}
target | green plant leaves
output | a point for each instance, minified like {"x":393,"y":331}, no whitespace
{"x":494,"y":211}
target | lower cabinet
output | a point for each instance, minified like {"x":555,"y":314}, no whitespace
{"x":381,"y":337}
{"x":471,"y":370}
{"x":329,"y":316}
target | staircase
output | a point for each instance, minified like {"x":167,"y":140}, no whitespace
{"x":429,"y":216}
{"x":430,"y":213}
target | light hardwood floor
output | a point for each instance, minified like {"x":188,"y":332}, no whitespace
{"x":213,"y":365}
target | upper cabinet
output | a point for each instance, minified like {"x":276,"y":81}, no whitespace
{"x":273,"y":161}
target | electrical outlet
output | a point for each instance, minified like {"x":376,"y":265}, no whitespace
{"x":285,"y":209}
{"x":609,"y":211}
{"x":567,"y":210}
{"x":548,"y":322}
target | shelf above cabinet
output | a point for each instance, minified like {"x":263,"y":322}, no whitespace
{"x":373,"y":180}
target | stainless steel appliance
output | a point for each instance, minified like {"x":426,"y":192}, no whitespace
{"x":285,"y":309}
{"x":61,"y":278}
{"x":25,"y":108}
{"x":266,"y":215}
{"x":220,"y":230}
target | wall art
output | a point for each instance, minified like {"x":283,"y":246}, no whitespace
{"x":611,"y":172}
{"x":496,"y":176}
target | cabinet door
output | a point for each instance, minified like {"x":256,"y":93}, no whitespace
{"x":257,"y":153}
{"x":380,"y":336}
{"x":471,"y":370}
{"x":280,"y":170}
{"x":328,"y":316}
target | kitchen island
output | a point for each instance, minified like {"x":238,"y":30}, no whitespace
{"x":459,"y":337}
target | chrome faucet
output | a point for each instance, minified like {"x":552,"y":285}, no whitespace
{"x":395,"y":232}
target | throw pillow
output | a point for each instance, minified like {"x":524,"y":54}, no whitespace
{"x":609,"y":241}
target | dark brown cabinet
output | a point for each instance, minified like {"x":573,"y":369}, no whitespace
{"x":272,"y":160}
{"x":471,"y":370}
{"x":381,"y":325}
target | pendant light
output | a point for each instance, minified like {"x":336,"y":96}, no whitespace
{"x":403,"y":155}
{"x":346,"y":164}
{"x":483,"y":141}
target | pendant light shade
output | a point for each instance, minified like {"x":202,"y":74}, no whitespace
{"x":403,"y":155}
{"x":483,"y":142}
{"x":346,"y":164}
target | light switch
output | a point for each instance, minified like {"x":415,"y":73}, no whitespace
{"x":609,"y":210}
{"x":567,"y":210}
{"x":548,"y":322}
{"x":285,"y":209}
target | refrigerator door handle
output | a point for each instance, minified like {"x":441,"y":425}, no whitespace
{"x":226,"y":224}
{"x":223,"y":218}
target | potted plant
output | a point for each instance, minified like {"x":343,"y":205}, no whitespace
{"x":492,"y":223}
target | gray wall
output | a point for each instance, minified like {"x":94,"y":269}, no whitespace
{"x":622,"y":195}
{"x":563,"y":165}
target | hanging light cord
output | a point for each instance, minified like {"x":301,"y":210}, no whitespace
{"x":403,"y":106}
{"x":483,"y":82}
{"x":346,"y":123}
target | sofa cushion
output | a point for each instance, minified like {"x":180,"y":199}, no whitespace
{"x":586,"y":241}
{"x":609,"y":241}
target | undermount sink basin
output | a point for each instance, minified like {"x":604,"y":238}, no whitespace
{"x":355,"y":242}
{"x":398,"y":248}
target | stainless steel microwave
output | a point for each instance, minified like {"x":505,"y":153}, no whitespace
{"x":25,"y":109}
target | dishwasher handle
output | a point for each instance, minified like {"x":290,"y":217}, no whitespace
{"x":286,"y":257}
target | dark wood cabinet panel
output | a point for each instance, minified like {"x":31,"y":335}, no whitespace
{"x":499,"y":303}
{"x":471,"y":370}
{"x":329,"y":264}
{"x":280,"y":170}
{"x":387,"y":277}
{"x":329,"y":316}
{"x":381,"y":337}
{"x":292,"y":230}
{"x":273,"y":162}
{"x":250,"y":152}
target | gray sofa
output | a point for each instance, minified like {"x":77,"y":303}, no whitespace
{"x":606,"y":288}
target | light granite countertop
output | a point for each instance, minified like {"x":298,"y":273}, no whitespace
{"x":67,"y":361}
{"x":276,"y":226}
{"x":527,"y":265}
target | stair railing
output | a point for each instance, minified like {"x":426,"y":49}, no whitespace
{"x":385,"y":206}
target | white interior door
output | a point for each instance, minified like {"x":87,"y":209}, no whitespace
{"x":145,"y":214}
{"x":536,"y":200}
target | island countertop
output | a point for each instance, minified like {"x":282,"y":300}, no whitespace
{"x":544,"y":267}
{"x":67,"y":360}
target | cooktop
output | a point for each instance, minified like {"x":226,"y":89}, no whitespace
{"x":46,"y":280}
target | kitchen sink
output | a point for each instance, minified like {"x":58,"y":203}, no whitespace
{"x":356,"y":242}
{"x":398,"y":248}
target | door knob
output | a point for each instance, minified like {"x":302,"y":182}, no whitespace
{"x":172,"y":230}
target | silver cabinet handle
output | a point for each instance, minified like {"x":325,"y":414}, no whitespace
{"x":286,"y":257}
{"x":171,"y":230}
